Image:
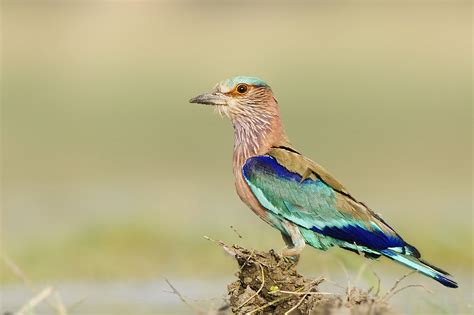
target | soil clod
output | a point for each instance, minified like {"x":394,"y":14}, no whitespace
{"x":270,"y":284}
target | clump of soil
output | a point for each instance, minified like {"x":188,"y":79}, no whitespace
{"x":270,"y":284}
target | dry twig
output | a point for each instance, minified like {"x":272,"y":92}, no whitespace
{"x":258,"y":309}
{"x":248,"y":259}
{"x":58,"y":305}
{"x":17,"y":271}
{"x":224,"y":245}
{"x":34,"y":301}
{"x":302,"y":293}
{"x":395,"y":285}
{"x":378,"y":283}
{"x":178,"y":294}
{"x":406,"y":287}
{"x":296,"y":305}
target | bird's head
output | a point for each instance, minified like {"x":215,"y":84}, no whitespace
{"x":241,"y":98}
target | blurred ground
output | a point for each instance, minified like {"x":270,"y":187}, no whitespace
{"x":108,"y":174}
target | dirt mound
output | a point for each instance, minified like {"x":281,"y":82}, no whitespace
{"x":270,"y":284}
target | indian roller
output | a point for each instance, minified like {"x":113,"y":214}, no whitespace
{"x":295,"y":195}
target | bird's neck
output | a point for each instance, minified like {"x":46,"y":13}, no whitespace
{"x":255,"y":135}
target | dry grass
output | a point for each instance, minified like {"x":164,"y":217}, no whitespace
{"x":48,"y":295}
{"x":269,"y":283}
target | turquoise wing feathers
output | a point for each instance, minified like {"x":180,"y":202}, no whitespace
{"x":326,"y":216}
{"x":314,"y":205}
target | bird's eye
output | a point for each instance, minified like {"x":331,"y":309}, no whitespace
{"x":242,"y":88}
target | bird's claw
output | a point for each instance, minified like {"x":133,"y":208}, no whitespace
{"x":293,"y":260}
{"x":289,"y":256}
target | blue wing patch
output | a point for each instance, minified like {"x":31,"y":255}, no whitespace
{"x":268,"y":165}
{"x":374,"y":239}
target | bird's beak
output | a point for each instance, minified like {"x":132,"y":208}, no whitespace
{"x":213,"y":98}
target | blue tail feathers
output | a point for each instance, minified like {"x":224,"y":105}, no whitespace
{"x":423,"y":267}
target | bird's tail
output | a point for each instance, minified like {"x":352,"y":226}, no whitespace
{"x":422,"y":266}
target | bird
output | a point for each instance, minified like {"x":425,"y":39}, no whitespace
{"x":295,"y":195}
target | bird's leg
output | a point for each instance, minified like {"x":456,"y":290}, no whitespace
{"x":294,"y":242}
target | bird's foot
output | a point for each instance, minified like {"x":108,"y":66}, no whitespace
{"x":293,"y":250}
{"x":291,"y":254}
{"x":295,"y":243}
{"x":293,"y":260}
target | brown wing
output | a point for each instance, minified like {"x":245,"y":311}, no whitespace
{"x":298,"y":163}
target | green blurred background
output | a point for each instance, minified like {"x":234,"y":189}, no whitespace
{"x":109,"y":174}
